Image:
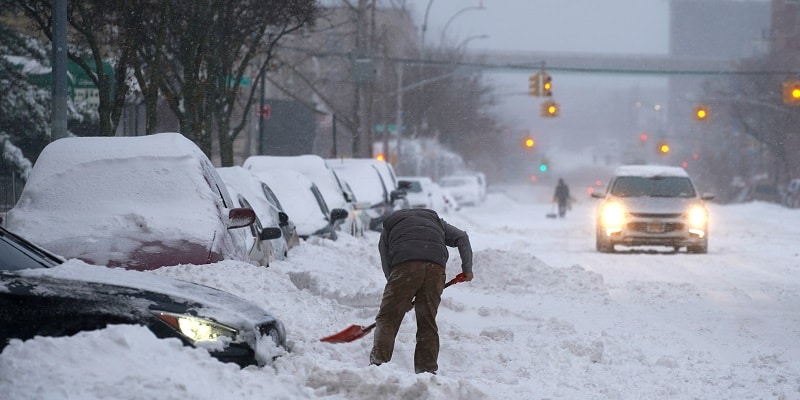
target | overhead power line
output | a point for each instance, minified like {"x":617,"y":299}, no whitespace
{"x":577,"y":63}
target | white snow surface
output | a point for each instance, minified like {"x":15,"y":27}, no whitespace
{"x":546,"y":317}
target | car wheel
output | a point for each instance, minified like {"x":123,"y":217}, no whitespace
{"x":701,"y":248}
{"x":602,"y":244}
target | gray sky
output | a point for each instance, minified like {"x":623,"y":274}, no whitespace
{"x":598,"y":26}
{"x":559,"y":26}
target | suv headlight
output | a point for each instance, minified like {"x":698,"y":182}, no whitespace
{"x":196,"y":329}
{"x":612,"y":215}
{"x":697,"y":217}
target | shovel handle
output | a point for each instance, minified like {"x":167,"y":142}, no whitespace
{"x":356,"y":331}
{"x":458,"y":278}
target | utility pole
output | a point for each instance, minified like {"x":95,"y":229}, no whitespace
{"x":360,"y":62}
{"x":261,"y":103}
{"x":59,"y":116}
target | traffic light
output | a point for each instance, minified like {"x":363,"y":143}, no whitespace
{"x":663,"y":148}
{"x":547,"y":84}
{"x":529,"y":143}
{"x":543,"y":167}
{"x":549,"y":109}
{"x":533,"y":85}
{"x":643,"y":137}
{"x":702,"y":112}
{"x":791,"y":92}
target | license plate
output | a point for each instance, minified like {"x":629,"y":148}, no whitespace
{"x":655,"y":228}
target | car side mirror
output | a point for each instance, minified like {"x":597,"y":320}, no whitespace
{"x":598,"y":195}
{"x":398,"y":194}
{"x":283,"y":218}
{"x":241,"y":217}
{"x":708,"y":196}
{"x":270,"y":233}
{"x":338,"y":213}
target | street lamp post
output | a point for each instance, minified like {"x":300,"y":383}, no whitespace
{"x":469,"y":39}
{"x":459,"y":12}
{"x":424,"y":28}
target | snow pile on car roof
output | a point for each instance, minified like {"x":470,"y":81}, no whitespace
{"x":649,"y":170}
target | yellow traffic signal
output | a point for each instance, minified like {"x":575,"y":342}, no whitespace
{"x":547,"y":84}
{"x":663,"y":148}
{"x":791,"y":92}
{"x":529,"y":143}
{"x":533,"y":85}
{"x":549,"y":109}
{"x":702,"y":113}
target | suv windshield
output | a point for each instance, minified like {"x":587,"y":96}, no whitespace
{"x":413,"y":186}
{"x":657,"y":186}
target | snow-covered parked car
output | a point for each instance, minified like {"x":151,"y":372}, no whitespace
{"x":466,"y":189}
{"x":256,"y":193}
{"x":419,"y":191}
{"x":259,"y":243}
{"x":138,"y":202}
{"x":44,"y":295}
{"x":372,"y":182}
{"x":336,"y":193}
{"x":304,"y":202}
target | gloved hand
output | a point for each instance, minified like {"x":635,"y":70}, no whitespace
{"x":467,"y":276}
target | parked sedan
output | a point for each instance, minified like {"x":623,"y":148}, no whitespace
{"x":260,"y":240}
{"x":334,"y":192}
{"x":135,"y":202}
{"x":304,"y":202}
{"x":422,"y":192}
{"x":380,"y":194}
{"x":244,"y":185}
{"x":466,"y":189}
{"x":41,"y":295}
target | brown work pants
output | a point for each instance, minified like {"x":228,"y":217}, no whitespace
{"x":421,"y":282}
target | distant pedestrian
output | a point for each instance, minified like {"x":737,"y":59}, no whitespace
{"x":413,"y":248}
{"x":561,"y":197}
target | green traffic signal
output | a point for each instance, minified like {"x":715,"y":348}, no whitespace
{"x":543,"y":167}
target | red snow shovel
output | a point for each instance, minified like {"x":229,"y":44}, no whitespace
{"x":354,"y":332}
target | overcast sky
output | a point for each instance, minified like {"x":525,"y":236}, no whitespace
{"x":619,"y":27}
{"x":607,"y":26}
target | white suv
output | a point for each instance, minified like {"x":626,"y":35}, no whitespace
{"x":652,"y":205}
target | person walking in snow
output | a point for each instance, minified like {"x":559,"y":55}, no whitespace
{"x":413,"y":249}
{"x":561,"y":197}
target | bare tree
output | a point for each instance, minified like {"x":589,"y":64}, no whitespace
{"x":94,"y":42}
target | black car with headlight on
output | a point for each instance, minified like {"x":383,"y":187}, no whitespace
{"x":42,"y":295}
{"x":652,"y":205}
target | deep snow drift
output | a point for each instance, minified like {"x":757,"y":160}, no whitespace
{"x":546,"y":317}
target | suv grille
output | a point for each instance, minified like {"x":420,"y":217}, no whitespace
{"x":668,"y":227}
{"x":649,"y":215}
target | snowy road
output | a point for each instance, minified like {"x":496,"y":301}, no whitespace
{"x":546,"y":317}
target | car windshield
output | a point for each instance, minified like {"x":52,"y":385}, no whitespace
{"x":658,"y":186}
{"x":17,"y":254}
{"x":413,"y":186}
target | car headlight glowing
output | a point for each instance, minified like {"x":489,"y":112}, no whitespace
{"x":612,"y":215}
{"x":196,"y":329}
{"x":697,"y":216}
